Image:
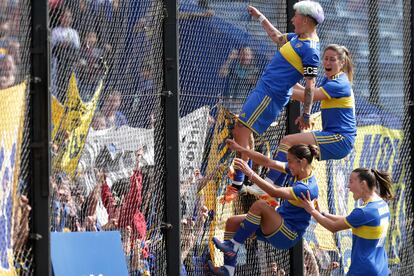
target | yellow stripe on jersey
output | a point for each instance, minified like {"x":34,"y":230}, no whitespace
{"x":326,"y":93}
{"x":262,"y":106}
{"x":369,"y":232}
{"x":292,"y":57}
{"x":345,"y":102}
{"x":347,"y":223}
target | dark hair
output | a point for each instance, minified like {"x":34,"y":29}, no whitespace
{"x":380,"y":181}
{"x":302,"y":151}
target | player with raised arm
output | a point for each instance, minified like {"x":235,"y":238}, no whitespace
{"x":337,"y":137}
{"x":282,"y":227}
{"x":369,"y":222}
{"x":298,"y":57}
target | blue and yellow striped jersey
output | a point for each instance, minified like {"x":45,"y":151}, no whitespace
{"x":288,"y":65}
{"x":369,"y":225}
{"x":296,"y":216}
{"x":338,"y":111}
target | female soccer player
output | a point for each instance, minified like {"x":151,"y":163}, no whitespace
{"x":337,"y":137}
{"x":298,"y":57}
{"x":369,"y":223}
{"x":282,"y":227}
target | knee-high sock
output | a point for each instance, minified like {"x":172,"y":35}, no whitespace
{"x":277,"y":177}
{"x":228,"y":235}
{"x":239,"y":176}
{"x":247,"y":228}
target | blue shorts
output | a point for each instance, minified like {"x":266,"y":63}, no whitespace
{"x":260,"y":110}
{"x":283,"y":238}
{"x":333,"y":145}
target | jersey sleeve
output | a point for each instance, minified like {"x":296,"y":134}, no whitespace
{"x":335,"y":89}
{"x":298,"y":190}
{"x":356,"y":218}
{"x":310,"y":62}
{"x":289,"y":36}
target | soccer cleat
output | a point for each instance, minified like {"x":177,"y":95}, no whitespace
{"x":226,"y":247}
{"x":221,"y":271}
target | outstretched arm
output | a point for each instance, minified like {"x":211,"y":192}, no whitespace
{"x":270,"y":189}
{"x":276,"y":36}
{"x":257,"y":157}
{"x":330,"y":222}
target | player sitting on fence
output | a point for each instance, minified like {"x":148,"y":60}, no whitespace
{"x":337,"y":137}
{"x":282,"y":227}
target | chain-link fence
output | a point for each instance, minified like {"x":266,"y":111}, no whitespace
{"x":106,"y":68}
{"x":107,"y":127}
{"x":16,"y":252}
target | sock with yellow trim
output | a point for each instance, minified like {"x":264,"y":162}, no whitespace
{"x":247,"y":228}
{"x":274,"y":176}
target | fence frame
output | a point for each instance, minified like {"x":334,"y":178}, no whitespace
{"x":170,"y":105}
{"x":40,"y":168}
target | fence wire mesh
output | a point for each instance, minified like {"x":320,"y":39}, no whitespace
{"x":107,"y":131}
{"x":221,"y":51}
{"x":15,"y":249}
{"x":222,"y":54}
{"x":106,"y":68}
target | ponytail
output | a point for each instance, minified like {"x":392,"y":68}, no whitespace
{"x":302,"y":151}
{"x":381,"y":181}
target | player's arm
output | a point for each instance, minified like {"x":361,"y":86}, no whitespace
{"x":270,"y":189}
{"x":256,"y":157}
{"x":330,"y":222}
{"x":277,"y":37}
{"x":298,"y":93}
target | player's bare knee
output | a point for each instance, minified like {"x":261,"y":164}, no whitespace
{"x":258,"y":206}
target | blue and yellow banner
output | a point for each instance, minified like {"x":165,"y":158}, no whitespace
{"x":12,"y":106}
{"x":71,"y":128}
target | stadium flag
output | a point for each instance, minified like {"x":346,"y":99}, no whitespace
{"x":12,"y":105}
{"x":74,"y":125}
{"x":57,"y":112}
{"x":316,"y":235}
{"x":217,"y":166}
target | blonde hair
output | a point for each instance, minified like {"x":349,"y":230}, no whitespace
{"x":344,"y":55}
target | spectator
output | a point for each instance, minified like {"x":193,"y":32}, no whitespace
{"x":90,"y":65}
{"x":65,"y":43}
{"x":241,"y":74}
{"x":7,"y":71}
{"x":98,"y":121}
{"x":110,"y":109}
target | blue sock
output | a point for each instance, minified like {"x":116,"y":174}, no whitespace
{"x":277,"y":177}
{"x":247,"y":227}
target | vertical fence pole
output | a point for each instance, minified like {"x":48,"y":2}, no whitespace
{"x":410,"y":79}
{"x":40,"y":136}
{"x":293,"y":111}
{"x":373,"y":46}
{"x":171,"y":114}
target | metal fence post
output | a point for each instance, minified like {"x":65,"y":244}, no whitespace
{"x":293,"y":111}
{"x":170,"y":103}
{"x":40,"y":136}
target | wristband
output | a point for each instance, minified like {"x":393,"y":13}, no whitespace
{"x":262,"y":18}
{"x":306,"y":117}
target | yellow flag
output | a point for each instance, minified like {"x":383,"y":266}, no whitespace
{"x":12,"y":105}
{"x":74,"y":124}
{"x":57,"y":113}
